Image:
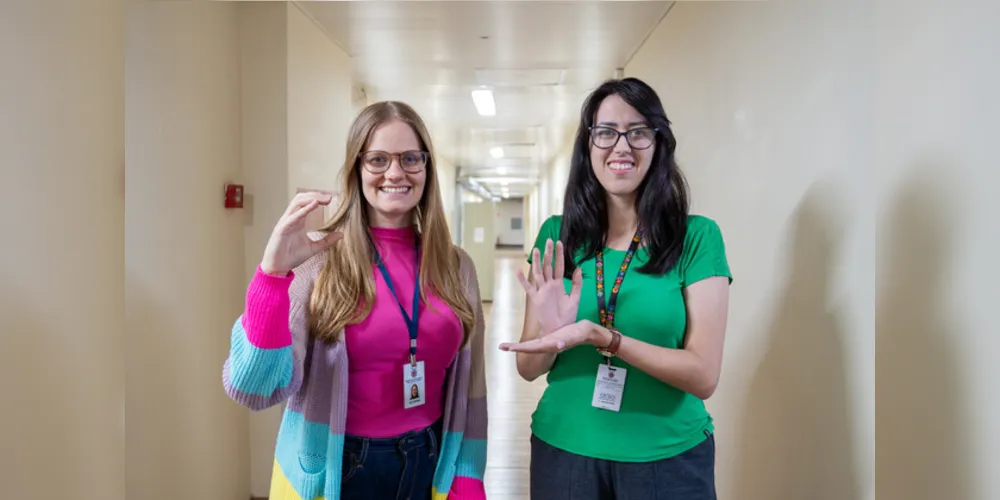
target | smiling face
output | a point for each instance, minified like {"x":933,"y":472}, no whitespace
{"x":620,"y":162}
{"x":393,"y":174}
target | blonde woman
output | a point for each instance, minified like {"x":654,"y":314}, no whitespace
{"x":343,"y":324}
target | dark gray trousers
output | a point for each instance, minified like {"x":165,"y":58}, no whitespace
{"x":561,"y":475}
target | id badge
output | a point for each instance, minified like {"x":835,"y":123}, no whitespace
{"x":609,"y":388}
{"x":413,"y":385}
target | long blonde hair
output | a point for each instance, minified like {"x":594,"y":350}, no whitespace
{"x":345,"y":288}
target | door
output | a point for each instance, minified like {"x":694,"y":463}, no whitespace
{"x":479,"y":241}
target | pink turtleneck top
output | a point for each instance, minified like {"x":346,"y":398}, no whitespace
{"x":378,"y":347}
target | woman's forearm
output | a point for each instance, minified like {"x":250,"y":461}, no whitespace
{"x":680,"y":368}
{"x":533,"y":365}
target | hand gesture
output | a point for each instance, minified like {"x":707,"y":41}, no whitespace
{"x":569,"y":336}
{"x":289,"y":245}
{"x":553,"y":306}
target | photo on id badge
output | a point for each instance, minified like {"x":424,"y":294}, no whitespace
{"x":609,"y":387}
{"x":413,"y":385}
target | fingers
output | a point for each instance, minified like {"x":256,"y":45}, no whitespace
{"x":529,"y":346}
{"x":528,"y":287}
{"x":301,"y":213}
{"x":537,"y":345}
{"x":547,"y":260}
{"x":560,"y":261}
{"x":302,"y":199}
{"x":326,"y":241}
{"x":574,"y":293}
{"x":536,"y":267}
{"x":333,"y":237}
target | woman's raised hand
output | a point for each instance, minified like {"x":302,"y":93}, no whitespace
{"x":553,"y":307}
{"x":289,"y":245}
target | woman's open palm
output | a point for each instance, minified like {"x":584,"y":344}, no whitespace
{"x":553,"y":306}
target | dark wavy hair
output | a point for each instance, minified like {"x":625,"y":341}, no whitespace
{"x":662,"y":198}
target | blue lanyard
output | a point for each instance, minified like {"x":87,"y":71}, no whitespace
{"x":411,"y":324}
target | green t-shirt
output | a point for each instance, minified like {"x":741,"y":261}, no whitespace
{"x":656,"y":420}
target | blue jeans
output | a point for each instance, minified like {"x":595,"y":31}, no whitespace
{"x":397,"y":468}
{"x":560,"y":475}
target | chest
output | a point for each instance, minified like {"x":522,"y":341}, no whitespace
{"x":382,"y":340}
{"x":646,"y":307}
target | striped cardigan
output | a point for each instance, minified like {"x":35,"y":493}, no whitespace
{"x":273,"y":359}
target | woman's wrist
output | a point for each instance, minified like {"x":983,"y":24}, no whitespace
{"x":597,"y":335}
{"x":269,"y":269}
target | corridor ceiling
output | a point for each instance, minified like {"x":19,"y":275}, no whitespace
{"x":539,"y":59}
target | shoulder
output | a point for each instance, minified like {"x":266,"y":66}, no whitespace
{"x":466,"y":268}
{"x":553,"y":224}
{"x":703,"y":236}
{"x":467,"y":272}
{"x":700,"y":227}
{"x":463,"y":257}
{"x":550,"y":228}
{"x":704,"y":251}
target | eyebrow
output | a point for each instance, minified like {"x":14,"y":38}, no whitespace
{"x":631,"y":124}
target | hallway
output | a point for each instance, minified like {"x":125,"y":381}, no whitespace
{"x":841,"y":149}
{"x":511,"y":398}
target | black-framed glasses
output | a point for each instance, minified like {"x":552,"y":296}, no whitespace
{"x":637,"y":138}
{"x":378,"y":162}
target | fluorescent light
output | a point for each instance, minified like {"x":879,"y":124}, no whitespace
{"x":512,"y":180}
{"x":504,"y":184}
{"x":501,"y":171}
{"x":483,"y":99}
{"x":496,"y":152}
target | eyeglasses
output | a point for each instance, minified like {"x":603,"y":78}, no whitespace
{"x":378,"y":162}
{"x":637,"y":138}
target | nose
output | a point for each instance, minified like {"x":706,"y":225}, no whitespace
{"x":622,"y":145}
{"x":395,"y":170}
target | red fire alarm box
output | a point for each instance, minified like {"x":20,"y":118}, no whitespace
{"x":234,"y":196}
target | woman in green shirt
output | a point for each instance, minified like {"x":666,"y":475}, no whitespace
{"x":626,"y":312}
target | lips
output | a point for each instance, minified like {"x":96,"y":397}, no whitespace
{"x":395,"y":189}
{"x":621,"y":165}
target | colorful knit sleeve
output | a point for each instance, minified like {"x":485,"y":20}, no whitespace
{"x":471,"y":466}
{"x":265,"y":361}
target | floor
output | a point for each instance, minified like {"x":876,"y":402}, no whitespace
{"x":511,"y":399}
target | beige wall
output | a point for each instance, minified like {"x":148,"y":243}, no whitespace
{"x":263,"y":34}
{"x":319,"y":105}
{"x":250,"y":93}
{"x":183,"y":251}
{"x":937,"y":108}
{"x":531,"y":225}
{"x":772,"y":105}
{"x":546,"y":197}
{"x":446,"y":182}
{"x":445,"y":139}
{"x":296,"y":110}
{"x":62,"y":224}
{"x":554,"y":182}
